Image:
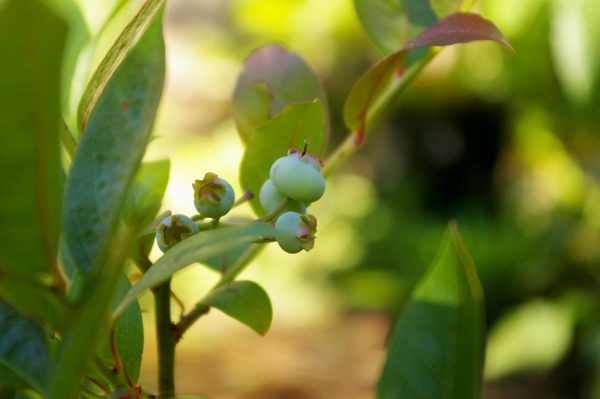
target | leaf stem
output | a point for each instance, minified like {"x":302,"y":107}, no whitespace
{"x":166,"y":340}
{"x":271,"y":215}
{"x":355,"y":140}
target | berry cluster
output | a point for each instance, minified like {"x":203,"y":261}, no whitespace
{"x":295,"y":182}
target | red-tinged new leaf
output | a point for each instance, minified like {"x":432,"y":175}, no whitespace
{"x":272,"y":79}
{"x":382,"y":83}
{"x":462,"y":27}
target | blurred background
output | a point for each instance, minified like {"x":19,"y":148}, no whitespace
{"x":506,"y":144}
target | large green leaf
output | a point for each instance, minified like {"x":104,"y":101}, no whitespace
{"x":144,"y":197}
{"x":382,"y":83}
{"x":113,"y":143}
{"x":196,"y":248}
{"x":392,"y":23}
{"x":436,"y":348}
{"x":114,"y":56}
{"x":245,"y":301}
{"x":272,"y":140}
{"x":23,"y":347}
{"x":31,"y":48}
{"x":272,"y":79}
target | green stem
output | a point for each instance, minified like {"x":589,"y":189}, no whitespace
{"x":165,"y":337}
{"x":271,"y":215}
{"x":374,"y":110}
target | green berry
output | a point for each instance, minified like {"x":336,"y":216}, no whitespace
{"x":213,"y":196}
{"x":298,"y":176}
{"x":270,"y":198}
{"x":174,"y":229}
{"x":295,"y":232}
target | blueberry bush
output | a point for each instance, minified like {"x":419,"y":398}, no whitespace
{"x":79,"y":201}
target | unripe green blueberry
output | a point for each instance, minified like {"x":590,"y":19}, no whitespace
{"x":270,"y":198}
{"x":298,"y":176}
{"x":173,"y":229}
{"x":295,"y":232}
{"x":213,"y":196}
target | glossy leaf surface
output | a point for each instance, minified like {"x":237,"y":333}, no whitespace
{"x":31,"y":50}
{"x":379,"y":86}
{"x":436,"y":348}
{"x":196,"y":248}
{"x":245,"y":301}
{"x":391,"y":24}
{"x":113,"y":58}
{"x":112,"y":146}
{"x":272,"y":79}
{"x":272,"y":140}
{"x":23,"y":347}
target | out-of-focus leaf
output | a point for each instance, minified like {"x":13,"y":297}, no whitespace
{"x":272,"y":79}
{"x":129,"y":333}
{"x":196,"y":248}
{"x":436,"y":349}
{"x":33,"y":38}
{"x":222,"y":262}
{"x":144,"y":197}
{"x":575,"y":50}
{"x":390,"y":24}
{"x":23,"y":347}
{"x":245,"y":301}
{"x":457,"y":28}
{"x":376,"y":88}
{"x":272,"y":140}
{"x":114,"y":141}
{"x":86,"y":320}
{"x":122,"y":46}
{"x":10,"y":380}
{"x":38,"y":300}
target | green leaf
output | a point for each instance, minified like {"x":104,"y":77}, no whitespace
{"x":144,"y":197}
{"x":129,"y":333}
{"x":196,"y":248}
{"x":33,"y":38}
{"x":245,"y":301}
{"x":113,"y":58}
{"x":90,"y":314}
{"x":38,"y":300}
{"x":390,"y":24}
{"x":436,"y":349}
{"x":10,"y":380}
{"x":382,"y":83}
{"x":113,"y":143}
{"x":23,"y":347}
{"x":272,"y":140}
{"x":222,"y":262}
{"x":272,"y":79}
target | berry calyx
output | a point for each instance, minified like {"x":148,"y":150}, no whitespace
{"x":296,"y":232}
{"x":270,"y":198}
{"x":174,"y":229}
{"x":213,"y":196}
{"x":298,"y":176}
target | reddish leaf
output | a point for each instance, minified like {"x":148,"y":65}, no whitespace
{"x":462,"y":27}
{"x":272,"y":79}
{"x":376,"y":88}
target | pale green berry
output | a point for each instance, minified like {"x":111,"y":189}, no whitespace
{"x":213,"y":196}
{"x":270,"y":198}
{"x":296,"y":232}
{"x":298,"y":176}
{"x":174,"y":229}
